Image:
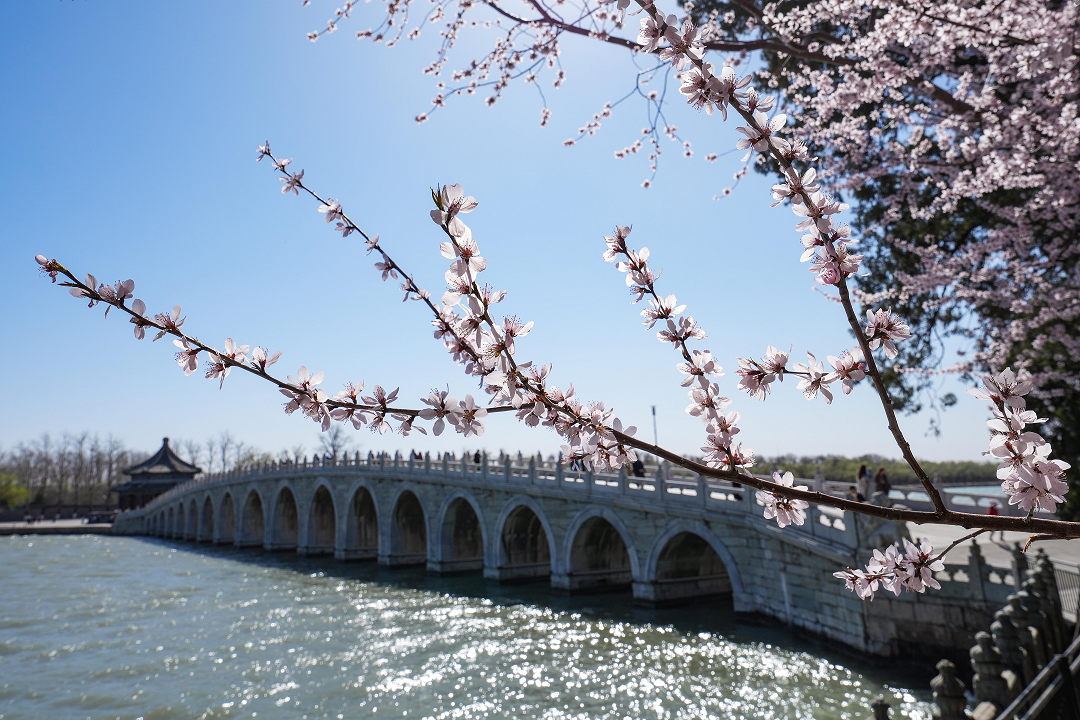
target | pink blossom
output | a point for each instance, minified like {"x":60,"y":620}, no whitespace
{"x":815,"y":381}
{"x":787,"y":511}
{"x":848,"y":368}
{"x":186,"y":358}
{"x":702,"y":366}
{"x":261,"y":358}
{"x":882,"y":328}
{"x":468,"y":419}
{"x":171,"y":321}
{"x":441,"y":406}
{"x":139,"y":308}
{"x":451,"y":201}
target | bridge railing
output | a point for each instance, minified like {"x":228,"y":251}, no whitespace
{"x":661,"y":484}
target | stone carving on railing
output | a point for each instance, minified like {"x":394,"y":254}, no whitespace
{"x":1026,"y":635}
{"x":1007,"y":640}
{"x":949,"y":693}
{"x":989,"y":685}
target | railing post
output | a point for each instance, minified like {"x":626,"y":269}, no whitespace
{"x":484,"y":466}
{"x":976,"y":572}
{"x":559,"y":471}
{"x":446,"y":464}
{"x":702,"y":491}
{"x":1068,"y":684}
{"x":589,"y":480}
{"x":532,"y":471}
{"x":427,"y":461}
{"x":506,"y":468}
{"x":623,"y":475}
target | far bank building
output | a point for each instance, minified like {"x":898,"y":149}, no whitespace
{"x":152,"y":477}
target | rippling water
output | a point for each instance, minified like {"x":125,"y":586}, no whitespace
{"x":103,"y":627}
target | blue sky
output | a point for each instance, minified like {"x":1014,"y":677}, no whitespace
{"x":130,"y":143}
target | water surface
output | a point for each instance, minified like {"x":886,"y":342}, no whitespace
{"x":114,"y":627}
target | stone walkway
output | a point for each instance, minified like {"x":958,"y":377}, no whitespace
{"x":996,"y":552}
{"x":54,"y":527}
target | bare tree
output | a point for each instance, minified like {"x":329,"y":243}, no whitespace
{"x":335,"y":442}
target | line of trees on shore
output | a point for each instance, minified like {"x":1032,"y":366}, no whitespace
{"x":83,"y":469}
{"x":844,"y":469}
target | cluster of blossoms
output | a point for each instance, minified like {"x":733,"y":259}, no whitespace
{"x":706,"y":402}
{"x":787,"y":511}
{"x":1028,"y":476}
{"x":487,"y":350}
{"x":914,"y":570}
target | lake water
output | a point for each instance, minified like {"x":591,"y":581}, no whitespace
{"x":115,"y":627}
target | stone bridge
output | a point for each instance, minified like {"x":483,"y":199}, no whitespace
{"x":672,"y":537}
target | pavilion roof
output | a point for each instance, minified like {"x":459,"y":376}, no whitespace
{"x":163,"y":462}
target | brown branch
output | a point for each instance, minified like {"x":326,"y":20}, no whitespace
{"x":967,"y":537}
{"x":886,"y":401}
{"x":148,"y":322}
{"x":1050,"y":529}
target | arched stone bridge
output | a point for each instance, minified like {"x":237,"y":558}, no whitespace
{"x":669,"y":538}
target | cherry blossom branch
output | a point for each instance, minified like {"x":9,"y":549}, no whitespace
{"x":954,"y":543}
{"x":301,"y":390}
{"x":886,"y":401}
{"x":1051,"y":529}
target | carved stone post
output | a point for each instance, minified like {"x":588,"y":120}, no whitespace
{"x":988,"y":684}
{"x":1008,"y":642}
{"x":1051,"y":632}
{"x":948,"y":693}
{"x":1045,"y":569}
{"x":1037,"y":625}
{"x":976,"y":573}
{"x":1019,"y":618}
{"x":1020,"y":564}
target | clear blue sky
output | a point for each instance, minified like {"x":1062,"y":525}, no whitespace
{"x":130,"y":137}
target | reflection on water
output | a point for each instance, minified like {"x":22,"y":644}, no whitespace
{"x":104,"y":627}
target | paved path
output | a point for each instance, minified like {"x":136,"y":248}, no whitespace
{"x":996,"y":552}
{"x":54,"y":527}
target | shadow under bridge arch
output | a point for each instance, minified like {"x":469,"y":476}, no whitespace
{"x":462,"y":536}
{"x":687,"y":562}
{"x":524,"y":546}
{"x":599,"y":554}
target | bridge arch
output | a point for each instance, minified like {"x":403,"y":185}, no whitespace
{"x":226,"y":520}
{"x":253,"y":527}
{"x":524,"y":545}
{"x":181,"y":522}
{"x":191,"y":530}
{"x":408,"y":530}
{"x":462,"y":541}
{"x":285,"y":531}
{"x":361,"y":524}
{"x":687,"y":560}
{"x":170,"y":525}
{"x":598,"y":552}
{"x":206,"y":522}
{"x":322,"y":521}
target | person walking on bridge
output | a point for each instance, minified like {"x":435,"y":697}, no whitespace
{"x":862,"y":481}
{"x":881,"y":481}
